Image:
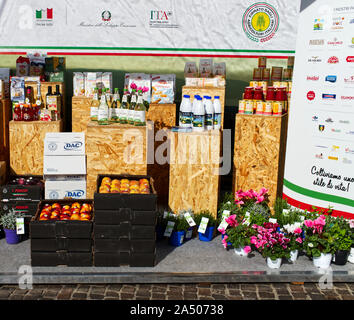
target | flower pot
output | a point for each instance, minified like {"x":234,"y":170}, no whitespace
{"x":351,"y":256}
{"x":240,"y":251}
{"x":11,"y":236}
{"x":189,"y":234}
{"x":159,"y":233}
{"x":274,"y":264}
{"x":293,"y":255}
{"x":177,"y":238}
{"x":341,"y":257}
{"x":323,"y":261}
{"x":208,"y":235}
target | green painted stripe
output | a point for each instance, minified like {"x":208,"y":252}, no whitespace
{"x":318,"y":195}
{"x":145,"y":49}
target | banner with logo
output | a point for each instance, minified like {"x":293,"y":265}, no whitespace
{"x":155,"y":27}
{"x":319,"y":167}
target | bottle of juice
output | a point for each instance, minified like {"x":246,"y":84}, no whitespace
{"x":217,"y":112}
{"x":27,"y":113}
{"x":18,"y":113}
{"x":278,"y":104}
{"x":258,"y":100}
{"x":139,"y":114}
{"x":185,"y":112}
{"x":94,"y":106}
{"x":103,"y":111}
{"x":124,"y":108}
{"x":248,"y":97}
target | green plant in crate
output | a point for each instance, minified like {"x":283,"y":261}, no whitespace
{"x":8,"y":220}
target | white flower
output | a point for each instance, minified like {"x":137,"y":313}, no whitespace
{"x":310,"y":245}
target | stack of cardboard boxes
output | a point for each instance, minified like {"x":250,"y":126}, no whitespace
{"x":64,"y":165}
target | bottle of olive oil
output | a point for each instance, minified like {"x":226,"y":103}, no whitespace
{"x":103,"y":111}
{"x":94,"y":105}
{"x":131,"y":113}
{"x":124,"y":108}
{"x":139,"y":115}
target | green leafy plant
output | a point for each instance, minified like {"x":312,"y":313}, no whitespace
{"x":279,"y":205}
{"x":258,"y":209}
{"x":342,"y":234}
{"x":207,"y":214}
{"x":181,"y":223}
{"x":239,"y":236}
{"x":8,"y":220}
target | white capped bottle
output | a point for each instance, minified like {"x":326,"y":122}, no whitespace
{"x":217,"y":113}
{"x":195,"y":101}
{"x":198,"y":115}
{"x":103,"y":111}
{"x":209,"y":113}
{"x":185,"y":112}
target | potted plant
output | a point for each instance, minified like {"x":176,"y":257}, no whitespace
{"x":211,"y":228}
{"x":239,"y":237}
{"x":8,"y":221}
{"x":351,"y":254}
{"x":179,"y":231}
{"x":293,"y":232}
{"x":318,"y":242}
{"x":271,"y":244}
{"x":341,"y":233}
{"x":190,"y":230}
{"x":161,"y":225}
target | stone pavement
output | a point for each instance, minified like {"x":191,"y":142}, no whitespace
{"x":244,"y":291}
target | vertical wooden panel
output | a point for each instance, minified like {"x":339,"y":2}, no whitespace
{"x":5,"y":116}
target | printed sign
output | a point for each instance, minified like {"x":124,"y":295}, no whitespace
{"x":203,"y":225}
{"x":189,"y":219}
{"x":20,"y":225}
{"x":169,"y":228}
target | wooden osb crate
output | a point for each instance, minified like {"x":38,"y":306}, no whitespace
{"x":211,"y":91}
{"x":27,"y":145}
{"x":259,"y":153}
{"x":5,"y":116}
{"x":3,"y":172}
{"x":80,"y":113}
{"x":163,"y":115}
{"x":194,"y":171}
{"x":114,"y":149}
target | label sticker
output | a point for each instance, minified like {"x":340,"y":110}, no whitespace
{"x":272,"y":220}
{"x":169,"y":228}
{"x":224,"y":224}
{"x":203,"y":225}
{"x":20,"y":225}
{"x":189,"y":219}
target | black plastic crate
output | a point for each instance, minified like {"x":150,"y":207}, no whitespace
{"x":61,"y":244}
{"x":102,"y":259}
{"x":125,"y":245}
{"x":61,"y":258}
{"x":125,"y":214}
{"x":13,"y":192}
{"x":115,"y":201}
{"x":124,"y":230}
{"x":26,"y":207}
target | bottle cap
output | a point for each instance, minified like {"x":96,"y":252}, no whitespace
{"x":217,"y":97}
{"x":186,"y":96}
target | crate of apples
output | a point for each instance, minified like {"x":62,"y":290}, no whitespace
{"x":141,"y":186}
{"x":75,"y":211}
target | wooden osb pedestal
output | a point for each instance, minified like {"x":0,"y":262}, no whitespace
{"x":194,"y":171}
{"x":259,"y":153}
{"x":3,"y":172}
{"x":27,"y":145}
{"x":5,"y":116}
{"x":80,"y":113}
{"x":211,"y":91}
{"x":114,"y":149}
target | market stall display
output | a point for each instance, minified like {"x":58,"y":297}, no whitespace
{"x":5,"y":116}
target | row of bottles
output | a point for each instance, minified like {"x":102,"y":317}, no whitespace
{"x":110,"y":108}
{"x":34,"y":109}
{"x":202,"y":114}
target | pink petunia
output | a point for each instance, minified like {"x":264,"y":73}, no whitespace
{"x":232,"y":221}
{"x":299,"y":240}
{"x":224,"y":242}
{"x":145,"y":89}
{"x":247,"y":249}
{"x":297,"y":230}
{"x":260,"y":199}
{"x":309,"y":223}
{"x":263,"y":191}
{"x":221,"y":230}
{"x":133,"y":85}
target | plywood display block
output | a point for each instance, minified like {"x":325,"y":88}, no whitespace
{"x":5,"y":116}
{"x":207,"y":91}
{"x":80,"y":113}
{"x":194,"y":171}
{"x":114,"y":149}
{"x":27,"y":145}
{"x":3,"y":172}
{"x":259,"y":153}
{"x":163,"y":115}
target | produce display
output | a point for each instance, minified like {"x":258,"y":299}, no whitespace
{"x":75,"y":211}
{"x":108,"y":185}
{"x":26,"y":181}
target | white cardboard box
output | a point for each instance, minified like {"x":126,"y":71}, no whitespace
{"x":64,"y":165}
{"x":64,"y":143}
{"x":65,"y":189}
{"x":65,"y":178}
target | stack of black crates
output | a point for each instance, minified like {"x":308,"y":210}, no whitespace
{"x":66,"y":242}
{"x":125,"y":227}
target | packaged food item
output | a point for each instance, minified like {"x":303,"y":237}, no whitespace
{"x":205,"y":68}
{"x":205,"y":82}
{"x":5,"y":76}
{"x":287,"y":74}
{"x":54,"y":64}
{"x":291,"y":60}
{"x":277,"y":73}
{"x":37,"y":64}
{"x":266,"y":74}
{"x":107,"y":81}
{"x":142,"y":80}
{"x":257,"y":74}
{"x":79,"y":84}
{"x":190,"y":70}
{"x":22,"y":66}
{"x":163,"y":88}
{"x":219,"y":69}
{"x":2,"y":89}
{"x":17,"y":92}
{"x":56,"y":76}
{"x":262,"y":62}
{"x":90,"y":83}
{"x":241,"y":106}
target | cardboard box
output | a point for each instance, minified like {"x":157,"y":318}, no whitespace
{"x":125,"y":245}
{"x":70,"y":259}
{"x":64,"y":144}
{"x":124,"y":230}
{"x":60,"y":244}
{"x":56,"y":76}
{"x":54,"y":64}
{"x":90,"y":83}
{"x":17,"y":89}
{"x":64,"y":165}
{"x":75,"y":189}
{"x":57,"y":229}
{"x":104,"y":259}
{"x":125,"y":214}
{"x":15,"y":192}
{"x":79,"y":84}
{"x":28,"y":208}
{"x":116,"y":201}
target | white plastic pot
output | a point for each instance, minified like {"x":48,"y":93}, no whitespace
{"x":240,"y":251}
{"x":322,"y":261}
{"x":351,"y":256}
{"x":274,"y":264}
{"x":293,"y":255}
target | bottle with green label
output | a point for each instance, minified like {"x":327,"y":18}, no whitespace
{"x":94,"y":106}
{"x":139,"y":115}
{"x":131,"y":113}
{"x":103,"y":111}
{"x":115,"y":106}
{"x":123,"y":116}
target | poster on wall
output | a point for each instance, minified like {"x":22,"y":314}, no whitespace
{"x":156,"y":27}
{"x":319,"y":168}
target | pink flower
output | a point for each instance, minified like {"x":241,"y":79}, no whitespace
{"x":232,"y":221}
{"x":140,"y":88}
{"x":221,"y":230}
{"x":133,"y":85}
{"x":224,"y":242}
{"x":309,"y":223}
{"x":145,"y":89}
{"x":320,"y":220}
{"x":253,"y":240}
{"x":299,"y":240}
{"x":247,"y":249}
{"x":298,"y":230}
{"x":263,"y":191}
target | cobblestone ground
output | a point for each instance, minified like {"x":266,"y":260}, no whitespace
{"x":274,"y":291}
